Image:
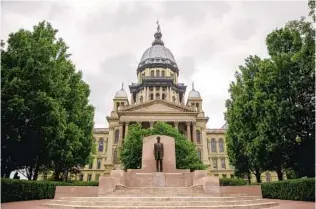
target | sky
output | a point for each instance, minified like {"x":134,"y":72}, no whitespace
{"x":209,"y":40}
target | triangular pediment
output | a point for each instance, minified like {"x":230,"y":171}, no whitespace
{"x":158,"y":106}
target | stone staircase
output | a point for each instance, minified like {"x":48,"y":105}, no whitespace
{"x":159,"y":197}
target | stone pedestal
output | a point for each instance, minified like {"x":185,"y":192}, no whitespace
{"x":159,"y":180}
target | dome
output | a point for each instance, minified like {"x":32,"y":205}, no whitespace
{"x":193,"y":94}
{"x":158,"y":55}
{"x":121,"y":93}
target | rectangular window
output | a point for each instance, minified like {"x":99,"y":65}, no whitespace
{"x":214,"y":162}
{"x":89,"y":177}
{"x":99,"y":163}
{"x":216,"y":175}
{"x":97,"y":176}
{"x":81,"y":177}
{"x":224,"y":176}
{"x":223,"y":163}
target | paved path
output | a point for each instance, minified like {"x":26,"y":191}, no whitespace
{"x":35,"y":204}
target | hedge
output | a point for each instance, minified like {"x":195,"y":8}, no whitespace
{"x":232,"y":182}
{"x":294,"y":189}
{"x":20,"y":190}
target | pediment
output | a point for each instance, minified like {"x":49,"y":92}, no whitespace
{"x":158,"y":106}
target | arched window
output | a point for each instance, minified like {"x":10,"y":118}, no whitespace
{"x":221,"y":145}
{"x":141,"y":99}
{"x":174,"y":99}
{"x":163,"y":73}
{"x":213,"y":145}
{"x":152,"y":73}
{"x":163,"y":96}
{"x":101,"y":145}
{"x":157,"y":96}
{"x":116,"y":139}
{"x":99,"y":163}
{"x":198,"y":136}
{"x":268,"y":177}
{"x":151,"y":96}
{"x":157,"y":73}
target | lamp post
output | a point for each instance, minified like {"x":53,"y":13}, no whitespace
{"x":298,"y":139}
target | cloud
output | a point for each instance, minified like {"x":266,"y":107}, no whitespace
{"x":107,"y":39}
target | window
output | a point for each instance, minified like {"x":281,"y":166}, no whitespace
{"x":232,"y":176}
{"x":221,"y":145}
{"x":97,"y":176}
{"x":89,"y":177}
{"x":198,"y":136}
{"x":99,"y":163}
{"x":141,"y":99}
{"x":163,"y":73}
{"x":117,"y":105}
{"x":151,"y":89}
{"x":157,"y":96}
{"x":223,"y":163}
{"x":163,"y":89}
{"x":214,"y":162}
{"x":199,"y":155}
{"x":152,"y":73}
{"x":157,"y":73}
{"x":122,"y":103}
{"x":213,"y":145}
{"x":116,"y":139}
{"x":174,"y":99}
{"x":151,"y":96}
{"x":268,"y":177}
{"x":224,"y":176}
{"x":216,"y":175}
{"x":101,"y":145}
{"x":81,"y":177}
{"x":163,"y":96}
{"x":115,"y":156}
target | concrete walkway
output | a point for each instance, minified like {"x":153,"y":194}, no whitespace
{"x":35,"y":204}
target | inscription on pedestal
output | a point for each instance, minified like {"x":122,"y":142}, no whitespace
{"x":159,"y":180}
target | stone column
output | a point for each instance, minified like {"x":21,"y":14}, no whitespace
{"x":169,"y":94}
{"x":176,"y":125}
{"x":160,"y":88}
{"x":126,"y":128}
{"x":147,"y":96}
{"x":188,"y":130}
{"x":151,"y":124}
{"x":120,"y":133}
{"x":194,"y":132}
{"x":109,"y":157}
{"x":154,"y":92}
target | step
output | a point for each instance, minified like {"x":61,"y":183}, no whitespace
{"x":152,"y":203}
{"x":245,"y":206}
{"x":157,"y":199}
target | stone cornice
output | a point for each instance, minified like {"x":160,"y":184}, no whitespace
{"x":215,"y":131}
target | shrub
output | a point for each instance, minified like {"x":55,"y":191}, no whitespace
{"x":232,"y":182}
{"x":19,"y":190}
{"x":295,"y":189}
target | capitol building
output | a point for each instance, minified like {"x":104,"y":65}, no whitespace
{"x":158,"y":95}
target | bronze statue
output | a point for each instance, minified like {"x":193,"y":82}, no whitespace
{"x":158,"y":153}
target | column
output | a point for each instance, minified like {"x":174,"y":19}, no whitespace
{"x":160,"y":88}
{"x":194,"y":132}
{"x":176,"y":125}
{"x":205,"y":147}
{"x":109,"y":157}
{"x":154,"y":92}
{"x":169,"y":94}
{"x":151,"y":123}
{"x":126,"y":128}
{"x":188,"y":130}
{"x":120,"y":132}
{"x":147,"y":99}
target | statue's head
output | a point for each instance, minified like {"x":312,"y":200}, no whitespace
{"x":158,"y":138}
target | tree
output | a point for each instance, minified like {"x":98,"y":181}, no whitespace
{"x":131,"y":151}
{"x":245,"y":149}
{"x":44,"y":103}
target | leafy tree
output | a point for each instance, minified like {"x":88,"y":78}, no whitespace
{"x":245,"y":149}
{"x":131,"y":151}
{"x":44,"y":111}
